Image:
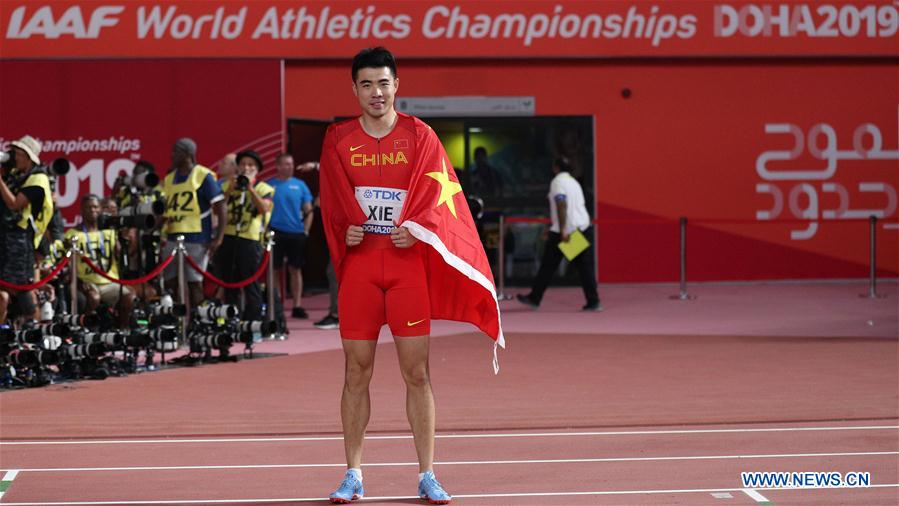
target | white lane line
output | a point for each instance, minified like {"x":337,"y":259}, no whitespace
{"x":466,"y":462}
{"x":757,"y":497}
{"x":406,"y":497}
{"x":449,"y":436}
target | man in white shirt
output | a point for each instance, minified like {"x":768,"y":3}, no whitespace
{"x":568,"y":211}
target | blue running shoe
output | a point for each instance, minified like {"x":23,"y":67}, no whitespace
{"x":431,"y":490}
{"x":350,"y":490}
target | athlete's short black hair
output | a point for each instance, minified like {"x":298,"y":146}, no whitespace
{"x":373,"y":58}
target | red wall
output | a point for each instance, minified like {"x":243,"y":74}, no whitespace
{"x":224,"y":105}
{"x":687,"y":143}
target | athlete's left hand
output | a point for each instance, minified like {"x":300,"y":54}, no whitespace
{"x":402,"y":238}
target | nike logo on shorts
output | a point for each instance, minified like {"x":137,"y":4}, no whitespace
{"x":412,"y":324}
{"x":354,"y":148}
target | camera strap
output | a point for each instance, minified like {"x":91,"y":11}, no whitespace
{"x":87,"y":240}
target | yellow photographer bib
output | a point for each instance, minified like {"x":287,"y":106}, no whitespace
{"x":39,"y":220}
{"x":99,"y":246}
{"x":244,"y":219}
{"x":182,"y":207}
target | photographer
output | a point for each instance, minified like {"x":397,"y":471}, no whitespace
{"x":192,"y":195}
{"x":102,"y":248}
{"x":249,"y":206}
{"x":135,"y":195}
{"x":26,"y":211}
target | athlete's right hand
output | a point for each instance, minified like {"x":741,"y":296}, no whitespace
{"x":354,"y":235}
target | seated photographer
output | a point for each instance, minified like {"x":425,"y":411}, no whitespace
{"x":26,"y":211}
{"x":102,"y":247}
{"x":249,"y":203}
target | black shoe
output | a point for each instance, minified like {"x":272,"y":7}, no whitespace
{"x":329,"y":322}
{"x":527,"y":301}
{"x":300,"y":313}
{"x":596,"y":306}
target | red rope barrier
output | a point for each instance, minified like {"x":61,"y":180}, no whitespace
{"x":129,"y":282}
{"x":24,"y":288}
{"x":226,"y":284}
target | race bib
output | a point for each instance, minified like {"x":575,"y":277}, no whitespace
{"x":382,"y":206}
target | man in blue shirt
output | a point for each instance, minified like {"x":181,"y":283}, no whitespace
{"x":192,"y":195}
{"x":291,"y":221}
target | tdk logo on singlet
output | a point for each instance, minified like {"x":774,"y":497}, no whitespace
{"x":363,"y":160}
{"x":381,"y":194}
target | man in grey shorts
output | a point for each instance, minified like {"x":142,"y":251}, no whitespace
{"x":192,"y":195}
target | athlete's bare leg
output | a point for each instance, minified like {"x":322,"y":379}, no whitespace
{"x":355,"y":403}
{"x":413,"y":356}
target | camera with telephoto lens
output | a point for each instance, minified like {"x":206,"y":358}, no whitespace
{"x":173,"y":310}
{"x":242,"y":182}
{"x":23,"y":357}
{"x":142,"y":181}
{"x":58,"y":167}
{"x":7,"y":160}
{"x":47,"y":357}
{"x":157,"y":207}
{"x":139,"y":221}
{"x":54,"y":329}
{"x":263,"y":327}
{"x":112,"y":340}
{"x":212,"y":313}
{"x":85,"y":350}
{"x":220,"y":341}
{"x":79,"y":320}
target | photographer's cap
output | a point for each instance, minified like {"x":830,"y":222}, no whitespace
{"x":30,"y":146}
{"x":252,"y":154}
{"x":187,"y":145}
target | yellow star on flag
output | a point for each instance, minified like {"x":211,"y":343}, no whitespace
{"x":448,"y":188}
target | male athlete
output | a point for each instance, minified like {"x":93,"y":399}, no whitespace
{"x":381,"y":266}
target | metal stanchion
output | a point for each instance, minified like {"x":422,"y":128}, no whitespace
{"x":270,"y":279}
{"x":683,"y":295}
{"x":872,"y":244}
{"x":502,"y":260}
{"x":73,"y":284}
{"x":182,"y":285}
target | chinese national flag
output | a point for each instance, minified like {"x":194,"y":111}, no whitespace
{"x":460,"y":281}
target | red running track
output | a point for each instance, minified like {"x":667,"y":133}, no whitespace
{"x":606,"y":419}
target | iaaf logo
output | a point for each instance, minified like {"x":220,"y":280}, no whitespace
{"x":71,"y":22}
